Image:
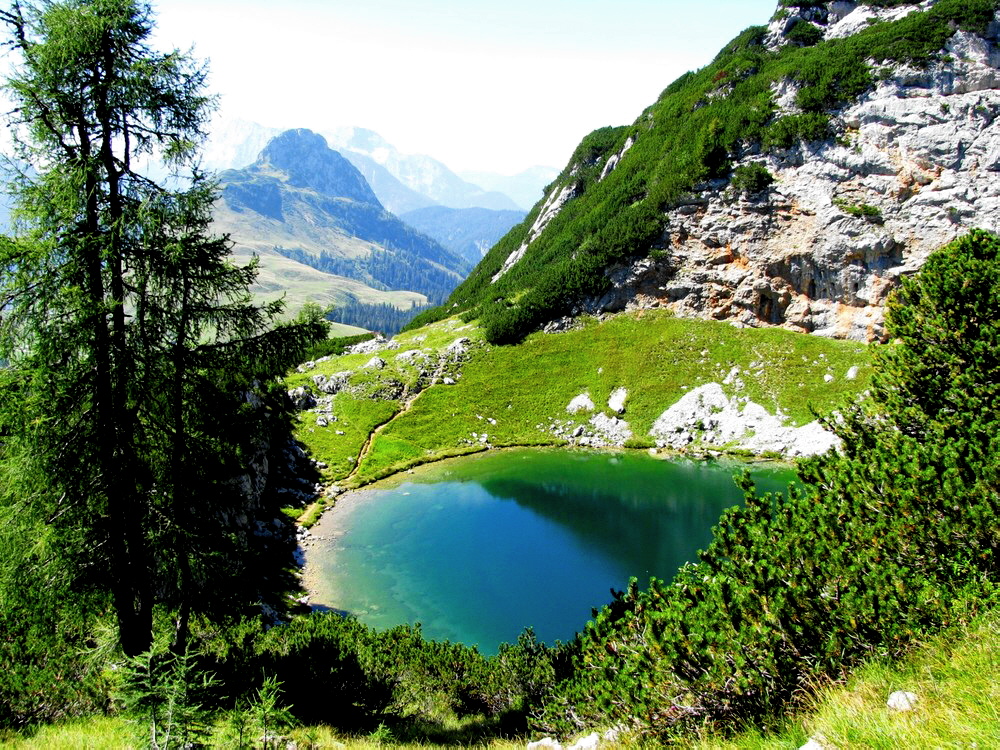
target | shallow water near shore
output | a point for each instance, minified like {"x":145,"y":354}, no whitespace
{"x":478,"y":548}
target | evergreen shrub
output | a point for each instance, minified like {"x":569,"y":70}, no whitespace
{"x":751,"y":178}
{"x":804,"y":34}
{"x":869,"y":557}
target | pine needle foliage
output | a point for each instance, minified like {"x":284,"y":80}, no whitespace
{"x":869,"y":557}
{"x":140,"y":378}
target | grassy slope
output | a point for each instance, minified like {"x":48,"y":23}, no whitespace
{"x":298,"y":283}
{"x":658,"y":358}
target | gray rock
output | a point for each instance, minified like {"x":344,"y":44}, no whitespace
{"x":459,"y":347}
{"x":902,"y":700}
{"x":590,"y":742}
{"x":334,"y":383}
{"x":302,"y":398}
{"x":580,"y":403}
{"x":412,"y":356}
{"x":916,"y":153}
{"x":368,"y":347}
{"x":610,"y":431}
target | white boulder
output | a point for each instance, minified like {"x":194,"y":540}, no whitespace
{"x":546,"y":743}
{"x":580,"y":403}
{"x":902,"y":700}
{"x":707,"y":416}
{"x":589,"y":742}
{"x":616,"y":402}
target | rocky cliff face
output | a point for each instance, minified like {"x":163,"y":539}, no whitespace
{"x":912,"y":164}
{"x":904,"y":164}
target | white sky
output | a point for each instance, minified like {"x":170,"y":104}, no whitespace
{"x":493,"y":85}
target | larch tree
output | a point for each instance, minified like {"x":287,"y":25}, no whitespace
{"x":137,"y":361}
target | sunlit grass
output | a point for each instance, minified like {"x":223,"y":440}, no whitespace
{"x":93,"y":733}
{"x":512,"y":394}
{"x":956,"y":677}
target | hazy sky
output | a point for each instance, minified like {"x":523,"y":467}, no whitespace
{"x":497,"y":85}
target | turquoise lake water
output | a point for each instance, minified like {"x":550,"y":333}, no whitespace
{"x":478,"y":548}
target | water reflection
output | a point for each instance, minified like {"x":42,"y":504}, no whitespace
{"x":478,"y":549}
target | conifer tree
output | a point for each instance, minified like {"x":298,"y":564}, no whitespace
{"x":136,"y":356}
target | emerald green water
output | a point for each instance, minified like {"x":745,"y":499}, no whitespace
{"x":478,"y":548}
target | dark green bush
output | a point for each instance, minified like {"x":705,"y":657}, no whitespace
{"x":887,"y":536}
{"x":46,"y":675}
{"x":860,"y":210}
{"x":751,"y":178}
{"x":804,"y":34}
{"x":335,"y":670}
{"x":787,"y":131}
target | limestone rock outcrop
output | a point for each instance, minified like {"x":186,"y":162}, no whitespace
{"x":911,"y":165}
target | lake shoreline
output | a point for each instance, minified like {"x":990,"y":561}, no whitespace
{"x":313,"y":514}
{"x":434,"y":542}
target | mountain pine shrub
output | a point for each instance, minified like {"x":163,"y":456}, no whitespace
{"x":870,"y":556}
{"x":751,"y":178}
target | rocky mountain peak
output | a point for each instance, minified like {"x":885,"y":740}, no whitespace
{"x":806,"y":22}
{"x":306,"y":161}
{"x":363,"y":141}
{"x":792,"y":182}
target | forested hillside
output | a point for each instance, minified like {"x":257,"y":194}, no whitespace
{"x":321,"y":234}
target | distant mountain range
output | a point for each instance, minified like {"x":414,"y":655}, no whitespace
{"x":320,"y":211}
{"x":525,"y":188}
{"x":470,"y":232}
{"x":402,"y":182}
{"x":421,"y":174}
{"x":321,"y":233}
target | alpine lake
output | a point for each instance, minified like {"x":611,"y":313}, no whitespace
{"x":478,"y":548}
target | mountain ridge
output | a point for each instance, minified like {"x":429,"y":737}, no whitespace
{"x":304,"y":203}
{"x":793,"y":181}
{"x":235,"y":144}
{"x":422,"y":174}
